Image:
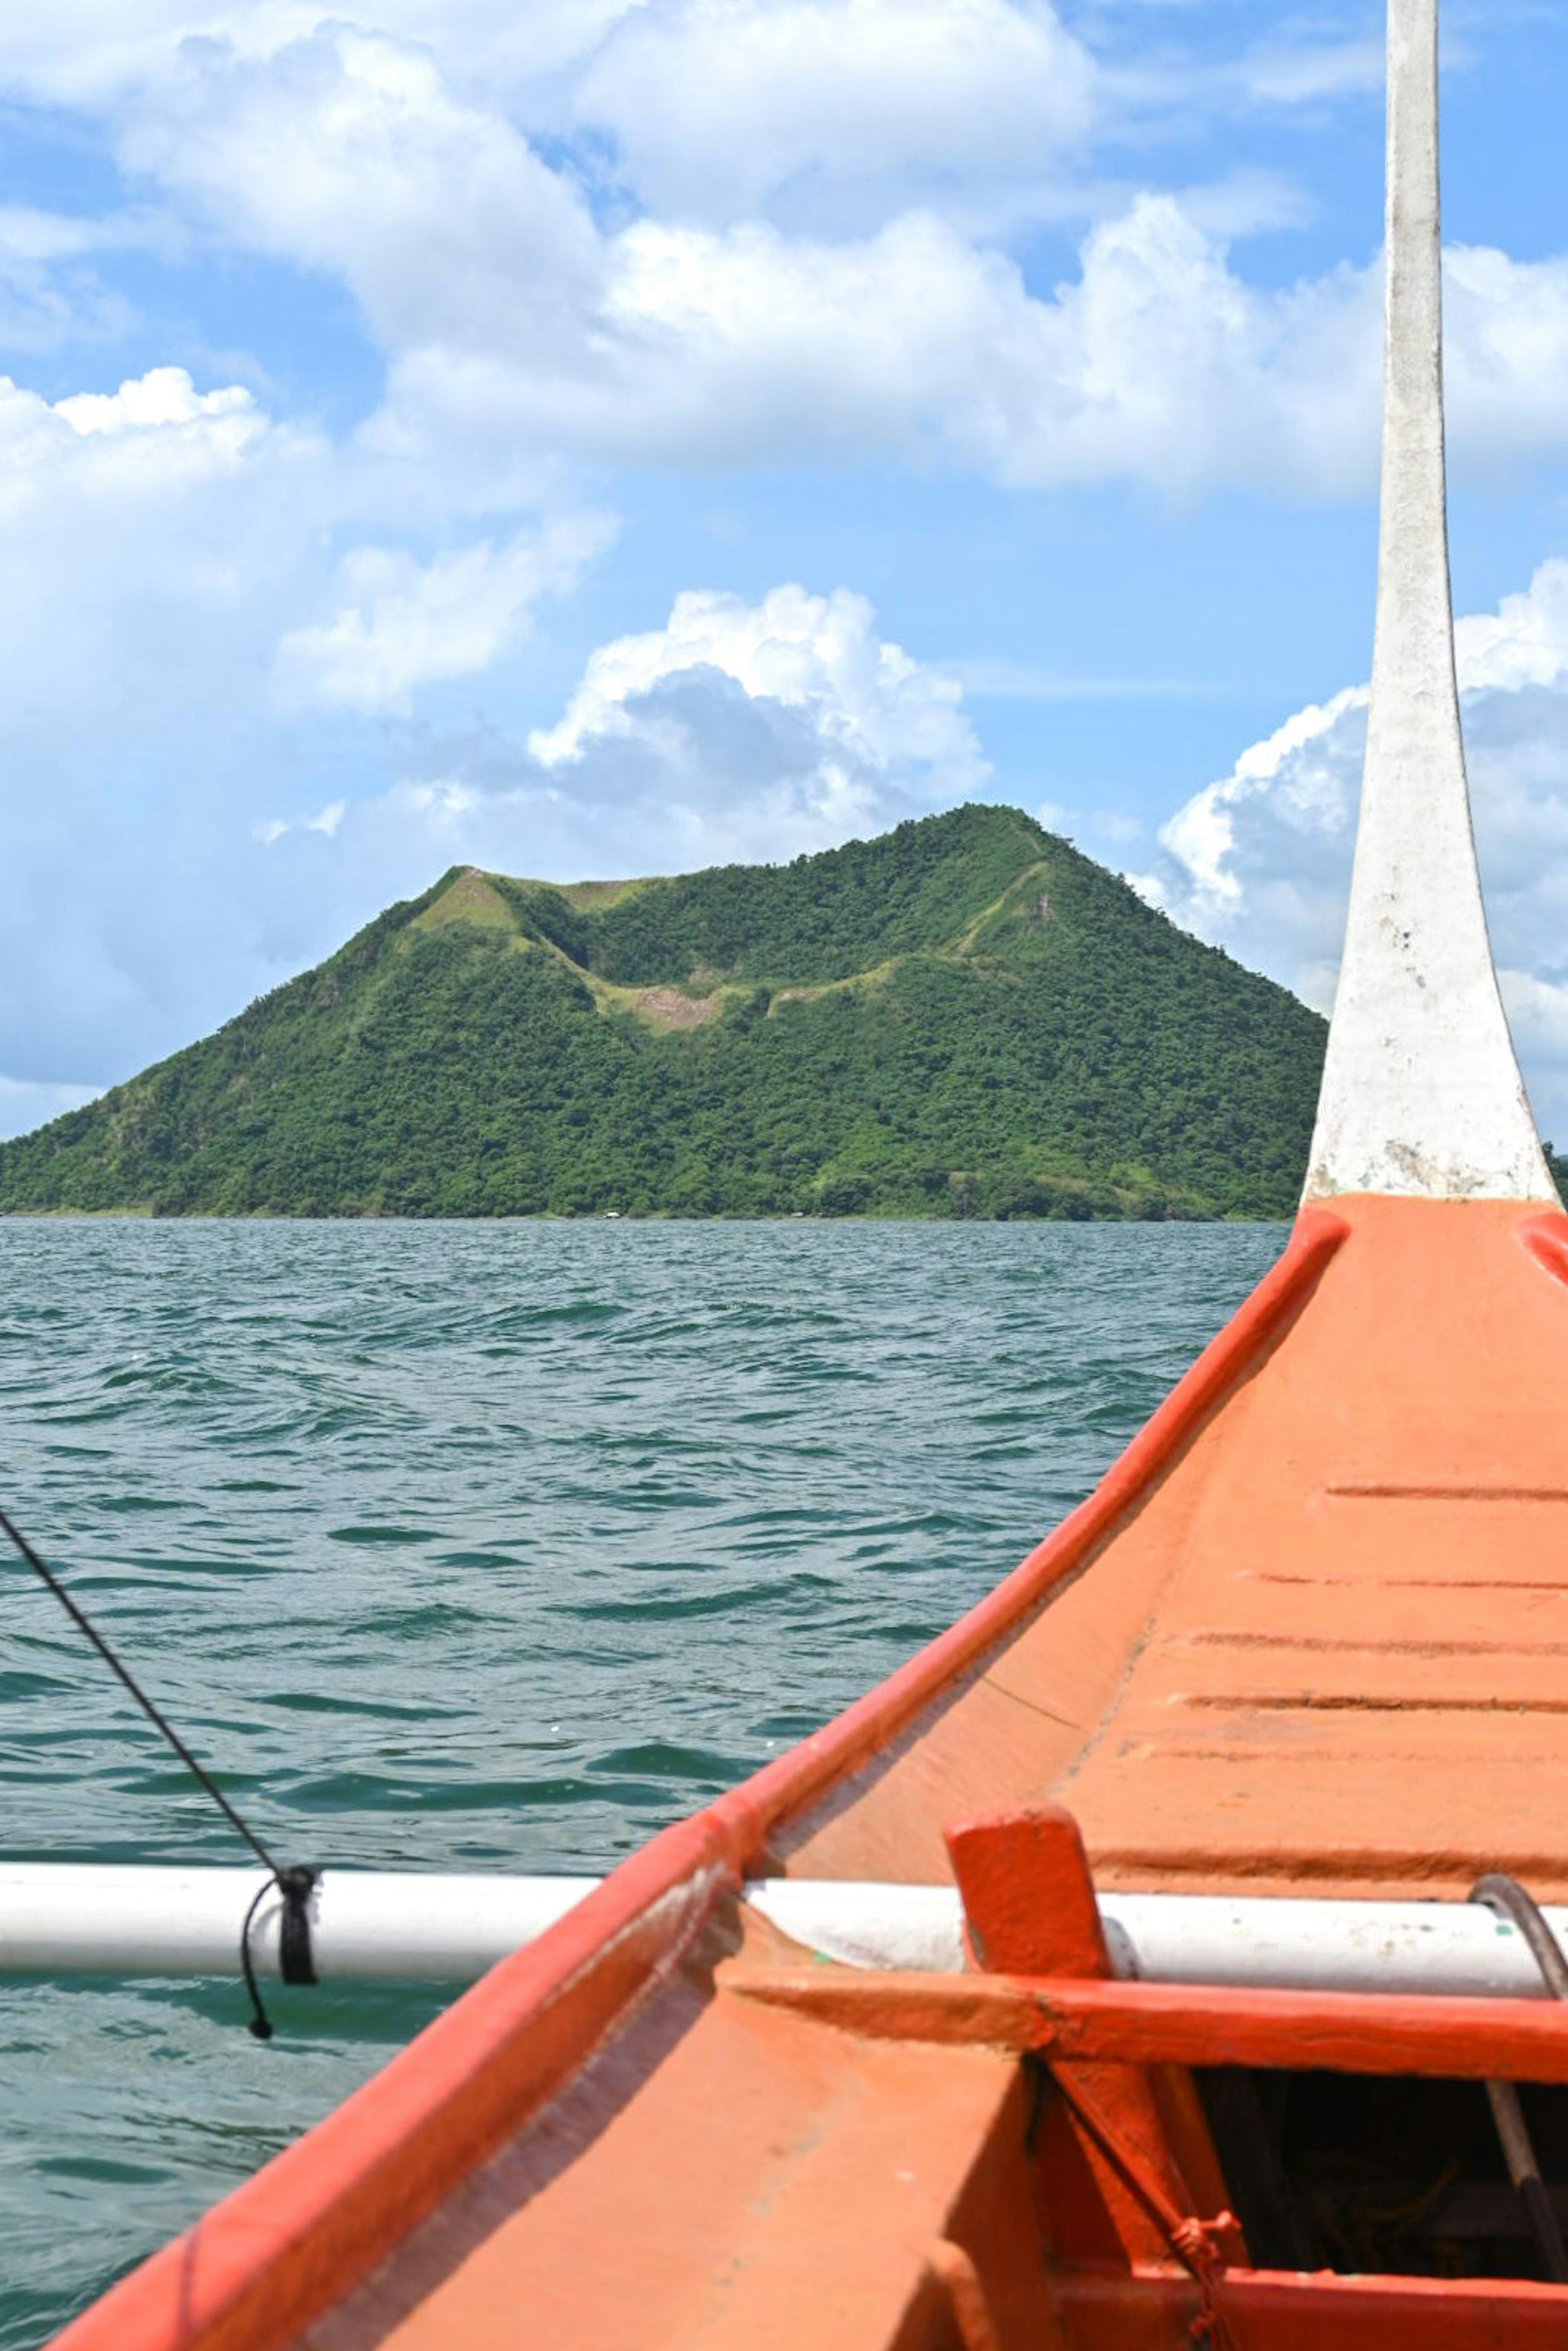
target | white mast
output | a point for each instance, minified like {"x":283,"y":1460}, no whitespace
{"x":1421,"y":1093}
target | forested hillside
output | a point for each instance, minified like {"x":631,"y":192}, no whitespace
{"x":962,"y":1017}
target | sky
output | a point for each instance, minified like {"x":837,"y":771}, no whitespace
{"x":592,"y":437}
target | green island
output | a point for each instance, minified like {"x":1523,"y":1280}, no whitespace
{"x":962,"y":1017}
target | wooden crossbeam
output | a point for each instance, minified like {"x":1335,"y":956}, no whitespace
{"x":1292,"y":2312}
{"x":1152,"y":2023}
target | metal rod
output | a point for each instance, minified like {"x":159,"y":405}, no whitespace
{"x":1519,"y":2154}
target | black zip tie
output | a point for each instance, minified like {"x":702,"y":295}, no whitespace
{"x":296,"y":1884}
{"x":296,"y":1963}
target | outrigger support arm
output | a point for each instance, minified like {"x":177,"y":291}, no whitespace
{"x":84,"y":1918}
{"x":1421,"y":1092}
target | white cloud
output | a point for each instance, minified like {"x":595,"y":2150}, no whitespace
{"x":512,"y":320}
{"x":737,"y":731}
{"x":722,"y":103}
{"x":816,"y":652}
{"x":1157,"y":363}
{"x":1304,"y":72}
{"x":138,"y":525}
{"x":1260,"y":861}
{"x":400,"y":624}
{"x":165,"y":398}
{"x":720,"y":108}
{"x":161,"y":541}
{"x":99,"y":53}
{"x":349,"y":152}
{"x":155,"y":435}
{"x":784,"y":724}
{"x":1523,"y":642}
{"x":519,"y":327}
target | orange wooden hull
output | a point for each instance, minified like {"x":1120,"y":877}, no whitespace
{"x":1310,"y":1635}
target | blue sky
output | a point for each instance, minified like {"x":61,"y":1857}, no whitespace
{"x":613,"y":435}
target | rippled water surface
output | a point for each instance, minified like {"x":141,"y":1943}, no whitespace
{"x":481,"y":1547}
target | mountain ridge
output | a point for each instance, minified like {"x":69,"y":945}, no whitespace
{"x":964,"y":1016}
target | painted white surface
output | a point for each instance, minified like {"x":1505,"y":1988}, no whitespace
{"x":60,"y":1919}
{"x":1196,"y":1938}
{"x":866,"y":1925}
{"x":369,"y":1925}
{"x":1406,"y":1947}
{"x":1421,"y":1092}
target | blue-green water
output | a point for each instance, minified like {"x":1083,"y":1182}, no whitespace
{"x":491,"y":1547}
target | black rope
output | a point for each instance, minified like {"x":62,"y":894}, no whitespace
{"x":296,"y":1960}
{"x":295,"y":1885}
{"x":260,"y":2022}
{"x":1513,"y":1902}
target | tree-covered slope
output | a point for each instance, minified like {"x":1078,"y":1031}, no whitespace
{"x":964,"y":1017}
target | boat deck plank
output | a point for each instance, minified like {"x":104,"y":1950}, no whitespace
{"x":1294,"y":1622}
{"x":1360,"y":1562}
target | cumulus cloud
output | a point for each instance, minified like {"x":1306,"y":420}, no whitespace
{"x":1260,"y":860}
{"x":140,"y":526}
{"x":719,"y":109}
{"x":758,"y":729}
{"x":701,"y":331}
{"x":163,"y":411}
{"x":738,"y":730}
{"x":350,"y":151}
{"x":512,"y":318}
{"x":1157,"y":363}
{"x":519,"y":324}
{"x":151,"y":536}
{"x":509,"y":315}
{"x":155,"y":435}
{"x":400,"y":624}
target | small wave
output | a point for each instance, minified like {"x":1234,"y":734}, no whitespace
{"x":674,"y":1606}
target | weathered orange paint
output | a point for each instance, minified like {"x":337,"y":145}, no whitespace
{"x":1028,"y":1895}
{"x":1028,"y":1899}
{"x":1290,"y":2313}
{"x":1309,"y":1634}
{"x":1450,"y":2037}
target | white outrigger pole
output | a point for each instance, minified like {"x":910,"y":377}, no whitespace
{"x":1421,"y":1092}
{"x":366,"y":1925}
{"x":1421,"y":1096}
